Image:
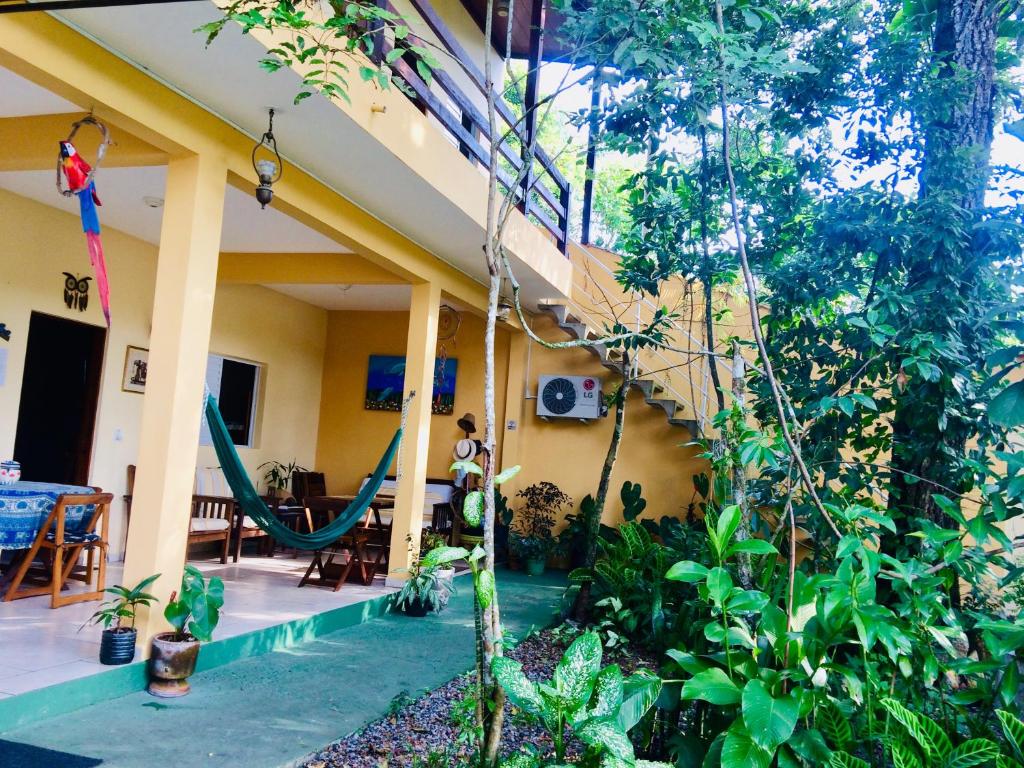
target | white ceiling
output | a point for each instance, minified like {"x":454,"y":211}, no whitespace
{"x":21,"y":98}
{"x":246,"y":227}
{"x":317,"y":135}
{"x":375,"y":298}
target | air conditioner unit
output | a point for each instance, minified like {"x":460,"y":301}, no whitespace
{"x":569,"y":397}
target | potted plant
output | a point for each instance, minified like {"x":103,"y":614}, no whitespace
{"x":193,"y":611}
{"x":424,"y":590}
{"x":117,"y":644}
{"x":278,"y":475}
{"x":430,"y":541}
{"x":531,"y":540}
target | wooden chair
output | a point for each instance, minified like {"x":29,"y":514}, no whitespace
{"x":212,"y":518}
{"x":246,"y":528}
{"x":64,"y":547}
{"x":306,"y":484}
{"x":351,"y":546}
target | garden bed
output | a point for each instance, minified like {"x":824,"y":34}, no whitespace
{"x":431,"y":730}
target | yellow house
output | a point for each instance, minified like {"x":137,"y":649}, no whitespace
{"x":370,"y":247}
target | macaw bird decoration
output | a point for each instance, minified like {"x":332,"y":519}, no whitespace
{"x":80,"y":179}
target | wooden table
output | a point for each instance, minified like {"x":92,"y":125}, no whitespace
{"x":355,"y":541}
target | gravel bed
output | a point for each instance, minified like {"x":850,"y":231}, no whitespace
{"x":415,"y":729}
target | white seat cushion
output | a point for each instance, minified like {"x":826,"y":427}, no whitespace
{"x":207,"y":524}
{"x":248,"y":522}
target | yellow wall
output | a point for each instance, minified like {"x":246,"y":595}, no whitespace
{"x":40,"y":242}
{"x":571,"y":454}
{"x":351,"y":438}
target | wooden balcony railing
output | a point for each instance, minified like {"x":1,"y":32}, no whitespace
{"x":542,"y":194}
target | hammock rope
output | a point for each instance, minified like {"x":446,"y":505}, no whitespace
{"x":254,"y":506}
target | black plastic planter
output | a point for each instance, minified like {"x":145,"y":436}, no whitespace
{"x":117,"y":646}
{"x":416,"y":607}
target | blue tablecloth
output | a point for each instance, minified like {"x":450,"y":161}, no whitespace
{"x":24,"y":507}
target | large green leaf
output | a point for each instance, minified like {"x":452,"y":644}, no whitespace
{"x":939,"y":744}
{"x":687,"y":570}
{"x":903,"y":756}
{"x":752,"y":547}
{"x":1013,"y":729}
{"x":506,"y":474}
{"x":770,"y":721}
{"x":1007,"y":408}
{"x":608,"y":692}
{"x":844,"y":760}
{"x":741,"y":751}
{"x":712,"y":686}
{"x":519,"y":689}
{"x":521,"y":760}
{"x":910,"y":722}
{"x":577,"y":670}
{"x":473,"y":508}
{"x":640,"y":693}
{"x":972,"y":752}
{"x":443,"y":556}
{"x":485,"y":588}
{"x":604,"y":733}
{"x":719,"y":584}
{"x":833,"y":724}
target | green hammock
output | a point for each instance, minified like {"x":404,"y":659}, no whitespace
{"x":257,"y":509}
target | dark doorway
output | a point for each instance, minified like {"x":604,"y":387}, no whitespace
{"x":59,"y":391}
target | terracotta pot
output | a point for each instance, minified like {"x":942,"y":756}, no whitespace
{"x":171,"y":663}
{"x":117,"y":646}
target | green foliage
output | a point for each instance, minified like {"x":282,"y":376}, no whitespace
{"x":119,"y":612}
{"x":278,"y":474}
{"x":325,"y":50}
{"x":541,"y":504}
{"x":194,"y":610}
{"x":598,"y":704}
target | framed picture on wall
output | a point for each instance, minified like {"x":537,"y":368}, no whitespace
{"x":136,"y":360}
{"x":385,"y":383}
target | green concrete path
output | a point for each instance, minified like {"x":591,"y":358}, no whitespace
{"x":271,"y":710}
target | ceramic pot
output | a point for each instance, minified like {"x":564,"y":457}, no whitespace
{"x":469,"y":540}
{"x":416,"y":607}
{"x":10,"y":472}
{"x":171,"y":663}
{"x":534,"y":566}
{"x":117,"y":646}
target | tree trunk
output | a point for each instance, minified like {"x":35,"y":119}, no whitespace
{"x":955,"y":172}
{"x":739,"y":476}
{"x":581,"y":606}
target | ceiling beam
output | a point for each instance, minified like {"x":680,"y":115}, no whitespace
{"x":69,"y":5}
{"x":30,"y":144}
{"x":303,"y":268}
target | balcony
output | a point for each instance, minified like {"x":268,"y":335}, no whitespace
{"x":542,"y":192}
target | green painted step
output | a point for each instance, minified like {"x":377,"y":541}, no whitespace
{"x":273,"y":708}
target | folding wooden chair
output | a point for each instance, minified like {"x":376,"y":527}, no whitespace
{"x":351,"y":546}
{"x":64,"y":548}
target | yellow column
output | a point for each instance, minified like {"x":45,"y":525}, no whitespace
{"x":419,"y":377}
{"x":186,"y":280}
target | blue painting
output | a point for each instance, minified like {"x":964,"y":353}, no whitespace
{"x":385,"y":383}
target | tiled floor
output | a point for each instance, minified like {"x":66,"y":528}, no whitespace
{"x":40,"y":646}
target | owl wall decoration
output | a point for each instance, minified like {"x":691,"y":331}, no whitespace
{"x":76,"y":292}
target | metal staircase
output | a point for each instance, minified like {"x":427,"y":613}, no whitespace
{"x":681,"y":412}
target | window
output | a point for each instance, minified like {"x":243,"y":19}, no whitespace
{"x":236,"y":385}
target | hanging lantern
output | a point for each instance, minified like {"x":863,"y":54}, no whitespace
{"x":268,"y":170}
